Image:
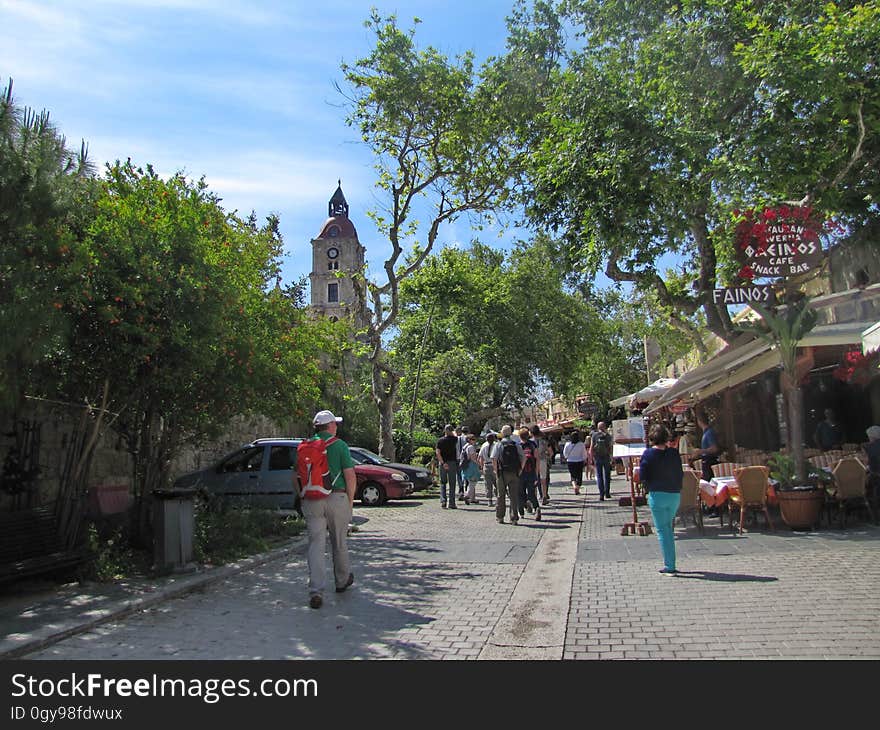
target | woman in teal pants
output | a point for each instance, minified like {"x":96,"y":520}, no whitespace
{"x":661,"y":474}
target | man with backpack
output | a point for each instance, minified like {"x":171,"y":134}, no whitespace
{"x":509,"y":460}
{"x":328,"y":482}
{"x":601,"y":445}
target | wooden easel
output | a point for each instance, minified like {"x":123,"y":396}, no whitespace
{"x":635,"y":527}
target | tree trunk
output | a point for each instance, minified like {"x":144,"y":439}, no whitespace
{"x":795,"y":400}
{"x":386,"y":425}
{"x":385,"y":383}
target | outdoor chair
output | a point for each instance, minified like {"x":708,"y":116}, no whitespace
{"x":752,"y":482}
{"x":850,"y":479}
{"x":726,"y":468}
{"x":690,"y":499}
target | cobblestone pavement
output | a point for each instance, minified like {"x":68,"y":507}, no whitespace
{"x":443,"y":584}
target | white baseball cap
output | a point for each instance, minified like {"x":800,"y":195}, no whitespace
{"x":324,"y":417}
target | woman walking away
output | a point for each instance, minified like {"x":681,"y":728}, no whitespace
{"x":590,"y":467}
{"x":470,"y":469}
{"x":575,"y":455}
{"x":544,"y":451}
{"x":487,"y":466}
{"x":661,"y":475}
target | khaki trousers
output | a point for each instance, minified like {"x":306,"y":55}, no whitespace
{"x":508,"y":485}
{"x":333,"y":515}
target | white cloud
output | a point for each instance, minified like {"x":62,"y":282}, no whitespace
{"x":52,"y":19}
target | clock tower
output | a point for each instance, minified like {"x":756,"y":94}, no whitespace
{"x":336,"y":255}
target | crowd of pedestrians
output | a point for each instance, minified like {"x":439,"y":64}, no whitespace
{"x":514,"y":466}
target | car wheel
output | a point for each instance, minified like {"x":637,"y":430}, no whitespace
{"x":372,"y":494}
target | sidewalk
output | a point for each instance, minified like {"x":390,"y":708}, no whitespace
{"x":40,"y":618}
{"x":454,"y":584}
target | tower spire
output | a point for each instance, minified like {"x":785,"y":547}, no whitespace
{"x":338,"y":205}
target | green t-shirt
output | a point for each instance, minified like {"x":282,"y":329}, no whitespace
{"x":338,"y":458}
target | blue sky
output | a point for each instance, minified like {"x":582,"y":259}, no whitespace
{"x":240,"y":91}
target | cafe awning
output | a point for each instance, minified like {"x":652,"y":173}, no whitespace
{"x":747,"y":358}
{"x":654,"y":390}
{"x":646,"y":394}
{"x":622,"y":401}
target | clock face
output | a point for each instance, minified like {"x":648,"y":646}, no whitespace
{"x":332,"y":253}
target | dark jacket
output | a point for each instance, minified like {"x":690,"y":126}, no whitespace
{"x":660,"y":470}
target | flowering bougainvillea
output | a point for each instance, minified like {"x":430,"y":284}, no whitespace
{"x":768,"y":241}
{"x":858,"y":368}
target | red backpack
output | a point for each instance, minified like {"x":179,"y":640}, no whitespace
{"x":312,"y":468}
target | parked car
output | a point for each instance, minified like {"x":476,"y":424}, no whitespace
{"x":418,"y":475}
{"x":376,"y":484}
{"x":263,"y":474}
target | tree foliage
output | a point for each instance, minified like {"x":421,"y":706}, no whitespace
{"x":44,"y":201}
{"x":505,"y":331}
{"x":176,"y":312}
{"x":443,"y":143}
{"x":667,"y":116}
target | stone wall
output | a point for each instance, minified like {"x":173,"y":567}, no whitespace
{"x":111,"y":463}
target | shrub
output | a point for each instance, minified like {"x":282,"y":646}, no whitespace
{"x":403,"y":445}
{"x":225,"y":532}
{"x":424,"y":438}
{"x":423,"y":455}
{"x":112,"y":557}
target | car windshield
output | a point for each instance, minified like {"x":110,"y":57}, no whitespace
{"x":374,"y":458}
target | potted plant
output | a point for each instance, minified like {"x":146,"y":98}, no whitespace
{"x":800,"y":501}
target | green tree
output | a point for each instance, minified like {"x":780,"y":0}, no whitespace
{"x":667,"y":116}
{"x":444,"y":144}
{"x":44,"y":204}
{"x":177,"y":314}
{"x":503,"y":330}
{"x":614,"y":362}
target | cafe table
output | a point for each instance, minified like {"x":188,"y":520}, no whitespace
{"x":718,"y":490}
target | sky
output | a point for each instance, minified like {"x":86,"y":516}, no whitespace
{"x":238,"y":91}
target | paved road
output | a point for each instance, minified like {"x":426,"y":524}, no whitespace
{"x":438,"y":584}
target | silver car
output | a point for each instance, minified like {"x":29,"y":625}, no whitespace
{"x":262,"y":474}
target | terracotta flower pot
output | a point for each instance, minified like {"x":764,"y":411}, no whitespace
{"x":801,"y":508}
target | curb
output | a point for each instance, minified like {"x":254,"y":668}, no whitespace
{"x":9,"y":649}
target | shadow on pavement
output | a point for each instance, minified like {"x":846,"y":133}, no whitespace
{"x":726,"y":577}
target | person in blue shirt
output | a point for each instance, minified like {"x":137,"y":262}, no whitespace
{"x":828,"y":434}
{"x":661,"y":475}
{"x":709,"y":448}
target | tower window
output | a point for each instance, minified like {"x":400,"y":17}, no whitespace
{"x":333,"y":266}
{"x":333,"y":292}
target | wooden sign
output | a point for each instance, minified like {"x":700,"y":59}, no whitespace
{"x":778,"y":242}
{"x":757,"y":294}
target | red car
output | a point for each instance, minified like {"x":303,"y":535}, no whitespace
{"x":377,"y":484}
